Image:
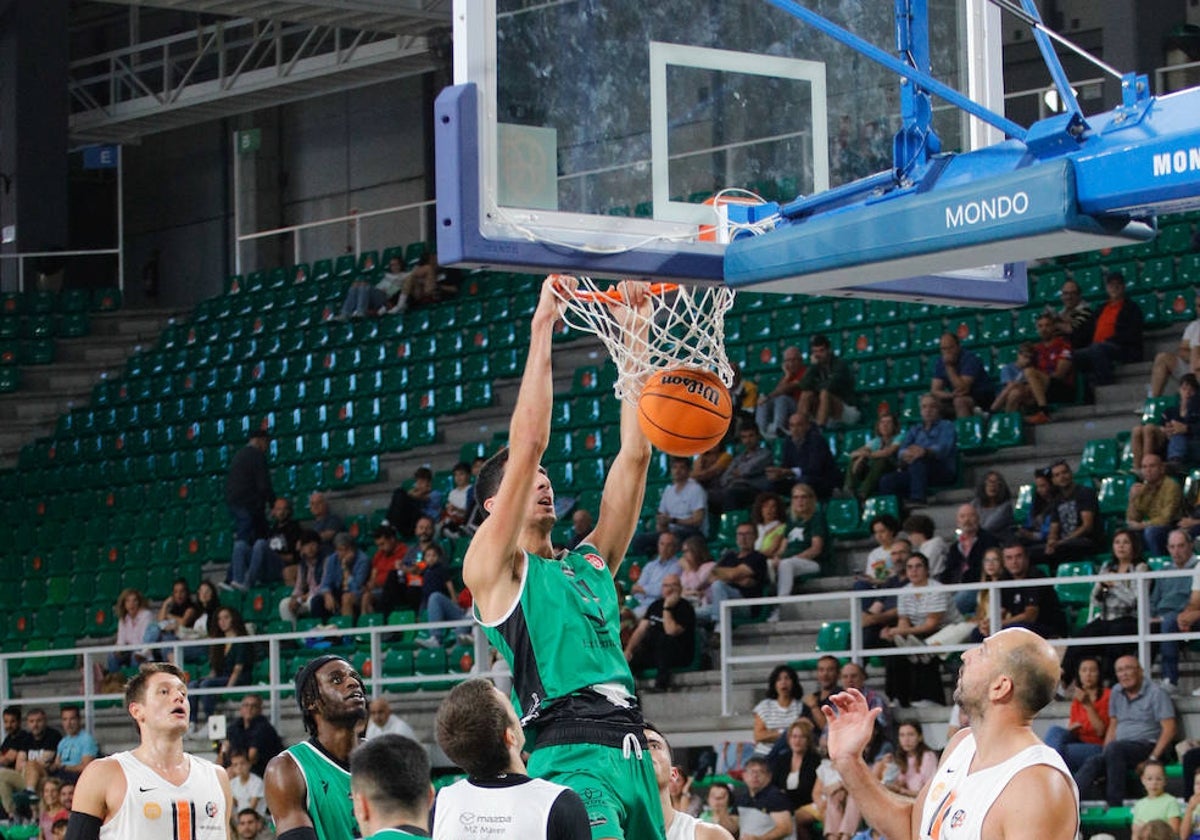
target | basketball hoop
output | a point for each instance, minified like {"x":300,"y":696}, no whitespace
{"x":685,"y":328}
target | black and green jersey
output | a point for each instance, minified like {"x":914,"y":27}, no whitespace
{"x":328,"y":800}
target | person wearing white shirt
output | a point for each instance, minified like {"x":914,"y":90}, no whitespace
{"x":383,"y":722}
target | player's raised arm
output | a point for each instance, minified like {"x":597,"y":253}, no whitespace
{"x":625,"y":486}
{"x":491,"y":568}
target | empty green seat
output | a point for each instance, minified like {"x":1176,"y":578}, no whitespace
{"x":1099,"y":458}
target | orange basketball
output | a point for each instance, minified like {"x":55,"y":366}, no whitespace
{"x":684,"y":411}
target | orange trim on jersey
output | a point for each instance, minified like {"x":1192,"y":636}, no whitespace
{"x":935,"y":830}
{"x":185,"y":828}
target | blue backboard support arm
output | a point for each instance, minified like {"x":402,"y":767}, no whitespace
{"x":1066,"y":95}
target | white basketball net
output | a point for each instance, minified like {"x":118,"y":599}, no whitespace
{"x":685,"y":327}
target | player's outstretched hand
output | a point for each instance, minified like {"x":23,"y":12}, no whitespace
{"x":550,"y":302}
{"x":851,"y":722}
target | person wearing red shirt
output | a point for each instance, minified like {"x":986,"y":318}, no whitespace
{"x":385,"y":591}
{"x":1051,"y":377}
{"x":1083,"y":736}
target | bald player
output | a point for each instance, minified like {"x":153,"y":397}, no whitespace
{"x":998,"y":761}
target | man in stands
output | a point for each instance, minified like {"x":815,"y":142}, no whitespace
{"x":1071,"y":321}
{"x":928,"y":455}
{"x":1173,"y":364}
{"x":827,"y":685}
{"x":387,"y":589}
{"x":778,"y":404}
{"x":740,"y":573}
{"x":827,"y":387}
{"x":333,"y":705}
{"x":384,"y":722}
{"x":325,"y":522}
{"x":679,"y":826}
{"x":682,"y":509}
{"x":854,"y":676}
{"x":648,"y":586}
{"x":271,"y":559}
{"x":1141,"y":725}
{"x":805,"y":457}
{"x":1051,"y":377}
{"x":582,"y":523}
{"x":763,"y":811}
{"x":1168,"y":598}
{"x":308,"y":578}
{"x":746,"y":475}
{"x":249,"y":824}
{"x":409,"y":505}
{"x":1002,"y":685}
{"x":343,"y":581}
{"x":250,"y":732}
{"x":923,"y":537}
{"x":960,"y":380}
{"x":76,"y":750}
{"x":964,"y":560}
{"x":248,"y":492}
{"x":1115,"y":334}
{"x":1074,"y":517}
{"x":1035,"y":608}
{"x":1155,"y":503}
{"x":38,"y":748}
{"x":10,"y":780}
{"x":665,"y":638}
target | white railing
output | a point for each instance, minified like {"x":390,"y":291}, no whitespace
{"x":21,"y":256}
{"x":277,"y":680}
{"x":730,"y":658}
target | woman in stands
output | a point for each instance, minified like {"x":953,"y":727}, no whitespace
{"x":1083,"y":736}
{"x":992,"y":570}
{"x":782,"y":705}
{"x":993,"y":501}
{"x":230,"y":662}
{"x":767,"y":515}
{"x":1177,"y":437}
{"x":1115,"y":602}
{"x":874,"y":458}
{"x":208,"y":602}
{"x":912,"y":765}
{"x":696,"y":566}
{"x":133,"y":617}
{"x":1032,"y":532}
{"x":795,"y":772}
{"x":177,"y":611}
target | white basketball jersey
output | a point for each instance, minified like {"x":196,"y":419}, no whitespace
{"x":683,"y":827}
{"x":155,"y":809}
{"x":519,"y":812}
{"x":959,"y":800}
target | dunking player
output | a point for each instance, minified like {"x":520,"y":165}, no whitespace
{"x":996,"y":780}
{"x":308,"y":784}
{"x":680,"y":826}
{"x":555,"y":617}
{"x":156,"y":790}
{"x":389,"y":780}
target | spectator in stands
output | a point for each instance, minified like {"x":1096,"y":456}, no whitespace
{"x":176,"y":612}
{"x":648,"y":586}
{"x":273,"y":558}
{"x":882,"y":612}
{"x":960,"y":380}
{"x":1189,"y":620}
{"x":853,"y":675}
{"x":993,"y":500}
{"x":383,"y":721}
{"x":230,"y":663}
{"x":582,"y":524}
{"x":133,"y":619}
{"x":923,"y":538}
{"x":308,"y":578}
{"x":51,"y":808}
{"x":1051,"y":376}
{"x":778,"y":404}
{"x":743,"y":395}
{"x":325,"y":522}
{"x":878,"y":566}
{"x":839,"y":813}
{"x":364,"y":298}
{"x":767,"y":515}
{"x":208,"y":601}
{"x":665,"y":637}
{"x":911,"y":765}
{"x":1141,"y":725}
{"x":746,"y":475}
{"x":1034,"y":529}
{"x":343,"y":580}
{"x":439,"y":599}
{"x":827,"y":685}
{"x":775,"y":712}
{"x":682,"y":509}
{"x":425,"y":284}
{"x":1155,"y":504}
{"x":1014,"y":394}
{"x":1175,"y":364}
{"x":1035,"y":608}
{"x":964,"y":560}
{"x":409,"y":505}
{"x":827,"y":387}
{"x":38,"y":748}
{"x":711,"y":464}
{"x":76,"y":750}
{"x":922,"y":609}
{"x":386,"y":589}
{"x":740,"y":573}
{"x":805,"y":457}
{"x":249,"y":825}
{"x":1190,"y":827}
{"x":1177,"y":437}
{"x":1074,"y":520}
{"x":763,"y":811}
{"x":459,"y":501}
{"x":1071,"y":322}
{"x":251,"y":733}
{"x":248,"y":493}
{"x":1115,"y":334}
{"x":928,"y":455}
{"x":794,"y":772}
{"x":991,"y":571}
{"x":1115,"y":603}
{"x":696,"y":566}
{"x":1168,"y":598}
{"x":874,"y":458}
{"x":1156,"y":806}
{"x":804,"y":546}
{"x":10,"y":780}
{"x":1083,"y":736}
{"x":245,"y":785}
{"x":718,"y":805}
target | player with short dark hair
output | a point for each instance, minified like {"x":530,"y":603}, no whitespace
{"x":390,"y":788}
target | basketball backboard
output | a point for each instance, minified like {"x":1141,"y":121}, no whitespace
{"x":587,"y":135}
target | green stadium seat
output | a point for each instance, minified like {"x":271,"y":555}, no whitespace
{"x":877,"y":506}
{"x":969,"y":431}
{"x":1004,"y":429}
{"x":844,"y":518}
{"x":106,"y":300}
{"x":927,"y":335}
{"x":1113,"y":495}
{"x":833,"y":635}
{"x":1099,"y":458}
{"x":10,"y":379}
{"x":1074,"y":594}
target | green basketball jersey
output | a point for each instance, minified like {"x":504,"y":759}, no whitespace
{"x":328,"y":801}
{"x":563,"y":634}
{"x":395,"y":834}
